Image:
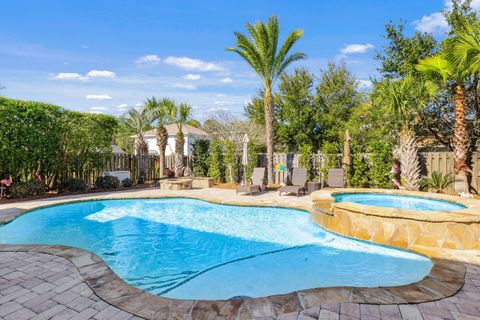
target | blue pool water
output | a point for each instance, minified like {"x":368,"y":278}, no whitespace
{"x":398,"y":201}
{"x":191,"y":249}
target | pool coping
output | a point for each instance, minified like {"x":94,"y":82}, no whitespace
{"x":444,"y":280}
{"x":325,"y":199}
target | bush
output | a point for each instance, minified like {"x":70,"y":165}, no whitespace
{"x":107,"y":182}
{"x":72,"y":185}
{"x":200,"y":157}
{"x":438,"y":182}
{"x":20,"y":190}
{"x":127,"y":183}
{"x":381,"y":161}
{"x":216,"y":162}
{"x":231,"y":163}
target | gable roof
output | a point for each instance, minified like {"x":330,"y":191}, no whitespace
{"x":172,"y":129}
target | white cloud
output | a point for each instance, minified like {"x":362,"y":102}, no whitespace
{"x":356,"y":48}
{"x":364,"y":84}
{"x":139,"y":104}
{"x":192,"y":64}
{"x":149,"y":58}
{"x":187,"y":86}
{"x":226,"y":80}
{"x":222,"y":103}
{"x":98,"y":97}
{"x":123,"y":106}
{"x":98,"y":109}
{"x":192,"y":76}
{"x":101,"y":74}
{"x":69,"y":76}
{"x":434,"y":23}
{"x":216,"y":109}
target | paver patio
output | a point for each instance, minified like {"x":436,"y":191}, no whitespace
{"x":36,"y":285}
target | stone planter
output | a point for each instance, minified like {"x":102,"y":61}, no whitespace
{"x":202,"y":182}
{"x":176,"y":184}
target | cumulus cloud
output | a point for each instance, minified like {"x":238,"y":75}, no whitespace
{"x":364,"y":84}
{"x":69,"y":76}
{"x":98,"y":97}
{"x":216,"y":109}
{"x":434,"y":23}
{"x":226,"y":80}
{"x":122,"y":106}
{"x":192,"y":64}
{"x":192,"y":76}
{"x":187,"y":86}
{"x":149,"y":58}
{"x":101,"y":74}
{"x":356,"y":48}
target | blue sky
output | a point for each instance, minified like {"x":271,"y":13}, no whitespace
{"x":109,"y":55}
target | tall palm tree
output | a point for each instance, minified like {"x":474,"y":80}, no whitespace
{"x":404,"y":98}
{"x":160,"y":110}
{"x":261,"y":52}
{"x":448,"y":68}
{"x":139,"y":122}
{"x":179,"y":114}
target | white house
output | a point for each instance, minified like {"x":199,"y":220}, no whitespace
{"x":191,"y":134}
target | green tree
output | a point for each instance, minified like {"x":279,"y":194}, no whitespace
{"x":297,"y":112}
{"x":139,"y":122}
{"x":231,"y":161}
{"x":337,"y":96}
{"x":359,"y":170}
{"x":261,"y":52}
{"x":381,"y":159}
{"x":400,"y":54}
{"x":179,"y":114}
{"x":403,"y":99}
{"x":160,"y":110}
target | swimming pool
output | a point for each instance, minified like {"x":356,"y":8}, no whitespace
{"x":398,"y":201}
{"x":191,"y":249}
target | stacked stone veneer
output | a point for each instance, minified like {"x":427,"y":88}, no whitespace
{"x":398,"y":227}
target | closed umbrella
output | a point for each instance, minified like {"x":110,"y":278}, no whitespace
{"x":245,"y":155}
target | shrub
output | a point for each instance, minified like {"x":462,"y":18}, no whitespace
{"x":127,"y":183}
{"x":72,"y":185}
{"x":200,"y":157}
{"x":438,"y":182}
{"x":231,"y":163}
{"x":216,"y":168}
{"x":305,"y":160}
{"x":30,"y":188}
{"x":107,"y":182}
{"x":253,"y":158}
{"x":381,"y":163}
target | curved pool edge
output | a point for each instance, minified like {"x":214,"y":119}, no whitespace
{"x":445,"y":279}
{"x":401,"y":228}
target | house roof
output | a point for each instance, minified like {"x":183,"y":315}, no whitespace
{"x":172,"y":129}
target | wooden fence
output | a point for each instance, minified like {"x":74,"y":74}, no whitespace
{"x":430,"y":161}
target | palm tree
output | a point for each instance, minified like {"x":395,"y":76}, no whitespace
{"x":139,"y":122}
{"x":404,"y":98}
{"x":261,"y":52}
{"x":449,"y":68}
{"x":160,"y":110}
{"x":179,"y":115}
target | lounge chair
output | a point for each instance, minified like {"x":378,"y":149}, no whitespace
{"x":299,"y":181}
{"x":336,"y":178}
{"x":256,"y":184}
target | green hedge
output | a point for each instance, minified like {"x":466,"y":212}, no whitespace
{"x":47,"y":141}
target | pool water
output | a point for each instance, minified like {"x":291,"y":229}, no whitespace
{"x":191,"y":249}
{"x":398,"y":201}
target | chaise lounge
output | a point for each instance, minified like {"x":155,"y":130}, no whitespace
{"x":256,"y":184}
{"x":299,"y":181}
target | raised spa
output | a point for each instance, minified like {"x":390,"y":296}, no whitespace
{"x":398,"y":201}
{"x":191,"y":249}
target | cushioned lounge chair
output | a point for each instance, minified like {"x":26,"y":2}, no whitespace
{"x":256,"y":184}
{"x":299,"y":182}
{"x":336,"y":178}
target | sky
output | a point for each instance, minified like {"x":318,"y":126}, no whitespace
{"x":106,"y":56}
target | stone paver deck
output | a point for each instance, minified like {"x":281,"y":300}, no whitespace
{"x":36,"y":285}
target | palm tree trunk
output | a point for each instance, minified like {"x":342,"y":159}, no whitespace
{"x":162,"y":141}
{"x":460,"y":142}
{"x":269,"y":126}
{"x":179,"y":156}
{"x":142,"y":152}
{"x":409,"y":160}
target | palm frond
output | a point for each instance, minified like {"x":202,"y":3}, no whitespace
{"x":435,"y":68}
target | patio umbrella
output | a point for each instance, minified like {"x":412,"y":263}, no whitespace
{"x":245,"y":155}
{"x":346,"y":151}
